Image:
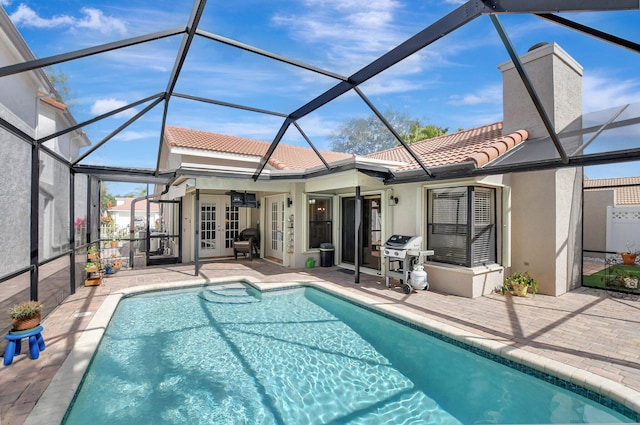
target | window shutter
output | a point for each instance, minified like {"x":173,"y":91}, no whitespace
{"x":461,"y":225}
{"x":448,"y":225}
{"x":483,"y":243}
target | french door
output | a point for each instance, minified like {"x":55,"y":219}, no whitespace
{"x":274,"y":231}
{"x":219,"y":225}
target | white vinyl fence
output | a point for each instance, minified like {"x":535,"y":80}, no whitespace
{"x":623,"y":229}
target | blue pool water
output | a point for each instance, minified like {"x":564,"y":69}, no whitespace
{"x":229,"y":354}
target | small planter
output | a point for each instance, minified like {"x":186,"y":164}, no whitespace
{"x":629,"y":259}
{"x":520,"y":290}
{"x":311,"y":263}
{"x":93,"y":256}
{"x":92,"y":269}
{"x":93,"y":281}
{"x":518,"y":284}
{"x":114,"y":244}
{"x":26,"y":323}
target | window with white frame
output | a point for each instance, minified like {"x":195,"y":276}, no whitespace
{"x":461,"y":225}
{"x":320,"y":221}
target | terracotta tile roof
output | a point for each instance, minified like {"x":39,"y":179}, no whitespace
{"x":626,"y":189}
{"x":52,"y":102}
{"x":285,"y":157}
{"x":479,"y":145}
{"x":141,"y":205}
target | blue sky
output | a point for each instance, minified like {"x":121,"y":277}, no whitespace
{"x":453,"y":83}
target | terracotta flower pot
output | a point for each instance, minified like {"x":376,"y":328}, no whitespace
{"x":26,"y":323}
{"x":629,"y":259}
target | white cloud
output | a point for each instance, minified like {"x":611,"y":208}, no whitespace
{"x":5,"y":3}
{"x":489,"y":94}
{"x":353,"y":32}
{"x":96,"y":20}
{"x":27,"y":17}
{"x":93,"y":19}
{"x":102,"y":106}
{"x":600,"y":92}
{"x":128,"y":136}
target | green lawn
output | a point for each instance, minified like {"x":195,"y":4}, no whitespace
{"x":611,"y":278}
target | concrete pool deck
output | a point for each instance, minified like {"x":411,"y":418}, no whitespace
{"x":588,"y":336}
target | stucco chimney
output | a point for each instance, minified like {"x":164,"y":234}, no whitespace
{"x":557,"y":78}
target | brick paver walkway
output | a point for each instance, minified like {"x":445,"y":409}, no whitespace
{"x":588,"y":329}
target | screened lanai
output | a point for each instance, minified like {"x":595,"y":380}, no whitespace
{"x":85,"y":98}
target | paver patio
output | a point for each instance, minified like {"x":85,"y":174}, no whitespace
{"x":592,"y":330}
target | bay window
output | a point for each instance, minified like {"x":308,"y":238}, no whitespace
{"x":461,"y":225}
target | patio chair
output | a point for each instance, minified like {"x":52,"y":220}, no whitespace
{"x":247,"y":242}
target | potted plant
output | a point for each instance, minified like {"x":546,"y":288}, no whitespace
{"x":92,"y":252}
{"x":25,"y":315}
{"x":520,"y":284}
{"x":92,"y":267}
{"x":629,"y":255}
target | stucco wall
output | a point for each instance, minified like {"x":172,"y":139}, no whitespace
{"x":17,"y":106}
{"x":595,"y":220}
{"x":546,"y":222}
{"x":15,"y":207}
{"x":18,"y":94}
{"x":407,"y":214}
{"x":557,"y":79}
{"x":569,"y":225}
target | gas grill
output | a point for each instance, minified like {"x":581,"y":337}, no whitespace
{"x":402,"y":253}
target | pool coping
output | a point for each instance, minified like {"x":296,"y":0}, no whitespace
{"x":52,"y":405}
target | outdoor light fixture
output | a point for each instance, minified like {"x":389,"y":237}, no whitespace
{"x":289,"y":202}
{"x":393,"y":201}
{"x":312,"y":201}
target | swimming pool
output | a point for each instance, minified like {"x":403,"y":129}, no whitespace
{"x":230,"y":354}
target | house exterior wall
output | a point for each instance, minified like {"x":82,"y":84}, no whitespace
{"x":595,"y":220}
{"x":19,"y":92}
{"x":17,"y":106}
{"x":406,"y":215}
{"x":51,"y":120}
{"x":15,"y":207}
{"x":188,"y":227}
{"x":546,"y":227}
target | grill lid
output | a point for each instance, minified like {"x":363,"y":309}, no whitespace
{"x":403,"y":242}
